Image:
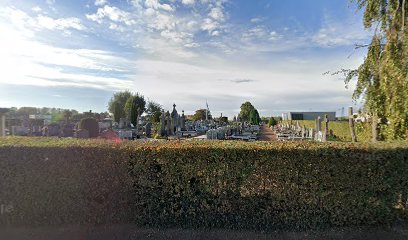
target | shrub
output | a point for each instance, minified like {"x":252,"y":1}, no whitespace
{"x":262,"y":185}
{"x":91,"y":125}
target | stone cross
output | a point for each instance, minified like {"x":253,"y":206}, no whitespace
{"x":137,"y":122}
{"x":168,"y":125}
{"x":326,"y":127}
{"x":183,"y":122}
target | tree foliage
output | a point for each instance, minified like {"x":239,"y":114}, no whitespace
{"x":200,"y":114}
{"x":382,"y":80}
{"x":245,"y":112}
{"x":117,"y":104}
{"x":272,"y":122}
{"x":153,"y":111}
{"x":254,"y":117}
{"x":249,"y":113}
{"x":135,"y":107}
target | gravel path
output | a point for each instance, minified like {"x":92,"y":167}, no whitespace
{"x":266,"y":134}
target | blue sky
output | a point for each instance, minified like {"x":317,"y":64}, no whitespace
{"x":76,"y":54}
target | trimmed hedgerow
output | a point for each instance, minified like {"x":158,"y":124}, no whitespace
{"x":260,"y":185}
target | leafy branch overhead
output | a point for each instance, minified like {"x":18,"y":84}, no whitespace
{"x":382,"y":80}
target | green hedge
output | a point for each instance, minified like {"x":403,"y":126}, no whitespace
{"x":263,"y":186}
{"x":341,"y":129}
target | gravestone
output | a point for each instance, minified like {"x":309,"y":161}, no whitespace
{"x":174,"y":120}
{"x":3,"y":112}
{"x":163,"y":124}
{"x":122,"y":123}
{"x":68,"y":130}
{"x":149,"y":130}
{"x":351,"y":125}
{"x":53,"y":130}
{"x":109,"y":134}
{"x":82,"y":134}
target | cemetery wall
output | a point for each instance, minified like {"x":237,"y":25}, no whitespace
{"x":261,"y":185}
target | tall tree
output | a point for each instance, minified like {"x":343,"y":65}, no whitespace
{"x":382,"y":80}
{"x":134,"y":107}
{"x":200,"y":114}
{"x":153,"y":111}
{"x":67,"y":115}
{"x":117,"y":104}
{"x":254,"y":117}
{"x":246,"y":109}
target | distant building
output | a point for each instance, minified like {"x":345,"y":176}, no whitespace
{"x":308,"y":115}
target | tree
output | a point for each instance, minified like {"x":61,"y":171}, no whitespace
{"x":67,"y":115}
{"x":153,"y":111}
{"x":246,"y":109}
{"x":254,"y":117}
{"x":249,"y":113}
{"x":382,"y":78}
{"x":200,"y":114}
{"x":224,"y":119}
{"x":117,"y":104}
{"x":134,"y":107}
{"x":272,"y":122}
{"x":57,"y":117}
{"x":28,"y":110}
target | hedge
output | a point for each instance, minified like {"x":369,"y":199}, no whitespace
{"x":259,"y":186}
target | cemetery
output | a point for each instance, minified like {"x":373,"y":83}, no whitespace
{"x":174,"y":126}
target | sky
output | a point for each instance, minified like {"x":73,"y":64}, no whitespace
{"x":76,"y":53}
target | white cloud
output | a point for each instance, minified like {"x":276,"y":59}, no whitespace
{"x":155,"y":4}
{"x":258,"y":20}
{"x":217,"y":14}
{"x":100,"y":2}
{"x":36,"y":9}
{"x":26,"y":61}
{"x":27,"y":23}
{"x":50,"y":2}
{"x":256,"y":32}
{"x":334,"y":33}
{"x":188,"y":2}
{"x":274,"y":36}
{"x":209,"y":25}
{"x":113,"y":13}
{"x":60,"y":24}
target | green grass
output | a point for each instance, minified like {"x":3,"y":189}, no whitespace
{"x":340,"y":129}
